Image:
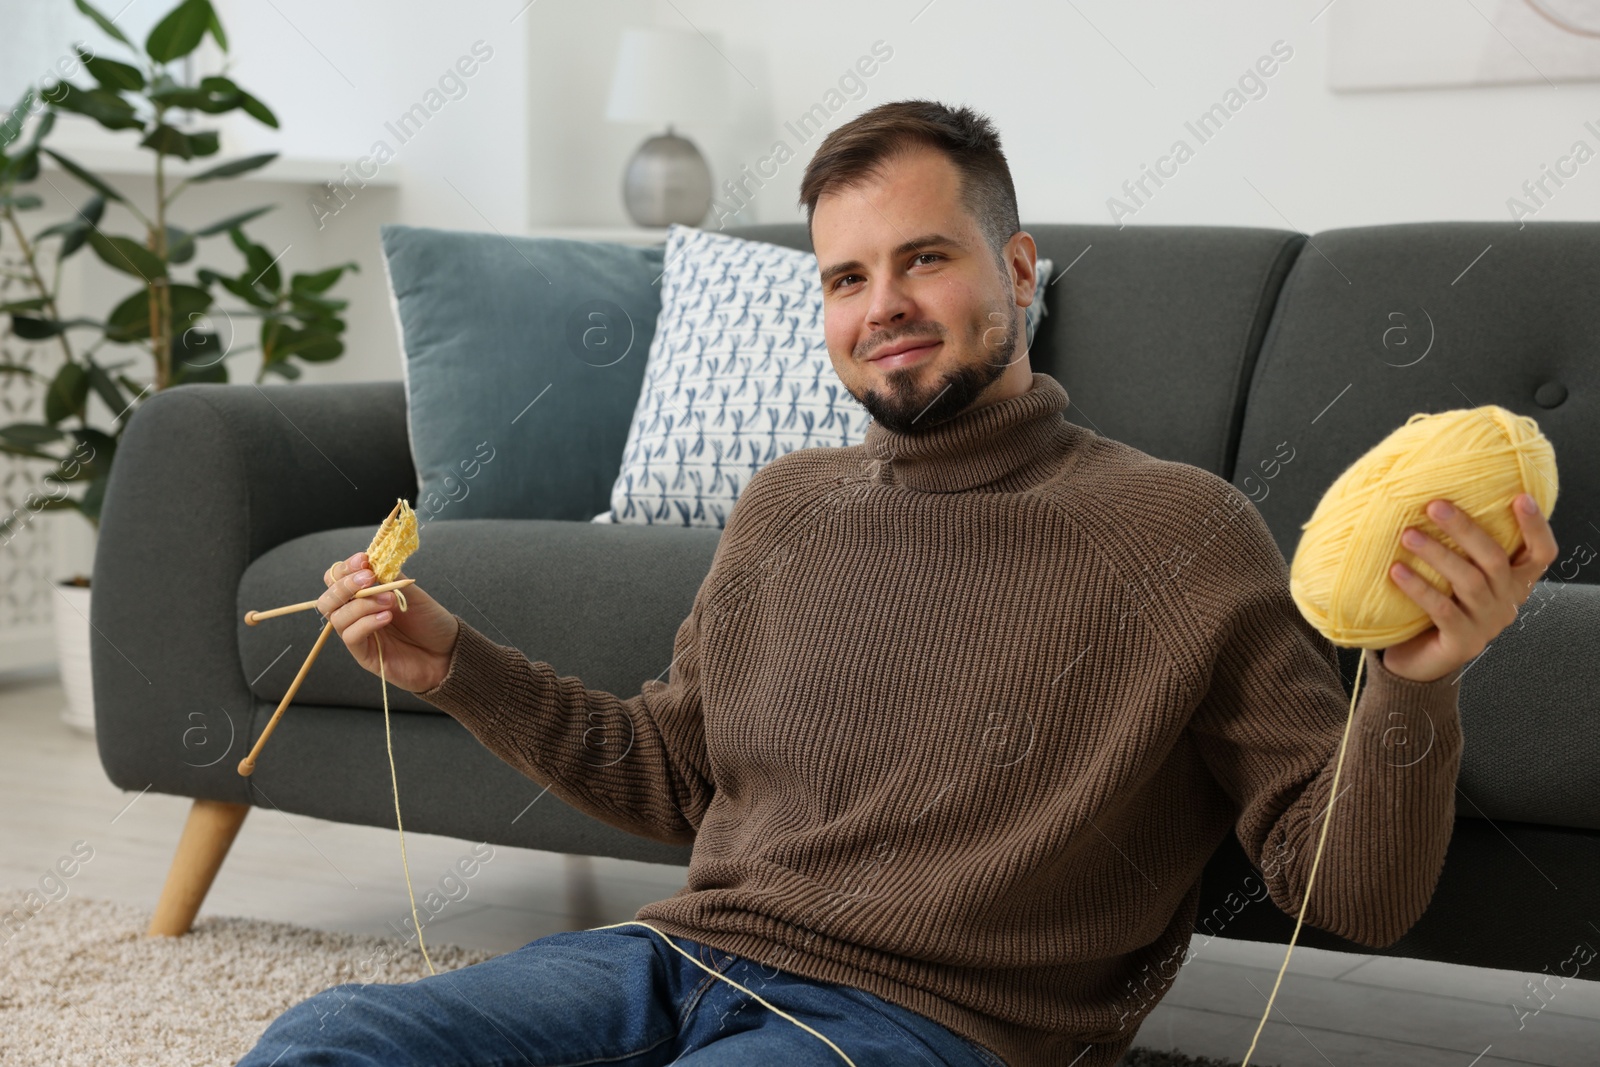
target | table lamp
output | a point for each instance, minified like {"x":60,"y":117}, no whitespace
{"x":667,"y":76}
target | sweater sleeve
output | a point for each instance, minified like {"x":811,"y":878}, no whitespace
{"x":1269,"y":729}
{"x":639,"y":764}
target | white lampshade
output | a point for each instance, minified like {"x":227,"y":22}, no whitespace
{"x":669,"y":76}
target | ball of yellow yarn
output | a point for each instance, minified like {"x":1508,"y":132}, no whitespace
{"x":1479,"y":459}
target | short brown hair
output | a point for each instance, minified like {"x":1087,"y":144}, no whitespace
{"x":858,"y":149}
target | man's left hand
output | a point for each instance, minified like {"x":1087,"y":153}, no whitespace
{"x":1488,"y":587}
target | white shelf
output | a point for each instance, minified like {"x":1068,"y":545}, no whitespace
{"x":140,"y":162}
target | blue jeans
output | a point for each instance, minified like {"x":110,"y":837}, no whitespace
{"x":619,"y":997}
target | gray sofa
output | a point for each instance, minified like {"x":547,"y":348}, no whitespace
{"x":1227,"y":348}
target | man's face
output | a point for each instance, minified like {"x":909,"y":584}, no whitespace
{"x":904,"y":266}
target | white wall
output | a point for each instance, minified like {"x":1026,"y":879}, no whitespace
{"x":1084,"y":94}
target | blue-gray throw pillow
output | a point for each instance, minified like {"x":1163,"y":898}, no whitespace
{"x":524,"y":358}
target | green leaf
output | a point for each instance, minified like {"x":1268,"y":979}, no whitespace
{"x":110,"y":73}
{"x":185,"y":96}
{"x":102,"y":446}
{"x":102,"y":105}
{"x":180,"y":245}
{"x":81,"y":472}
{"x":188,"y":301}
{"x":321,"y":281}
{"x":85,"y":177}
{"x":184,"y":373}
{"x":311,"y":345}
{"x":46,"y":123}
{"x":20,"y":450}
{"x":290,"y":371}
{"x":11,"y":128}
{"x":105,"y":388}
{"x":30,"y":328}
{"x":257,"y":110}
{"x":217,"y":34}
{"x":214,"y":95}
{"x":197,"y":350}
{"x":237,"y":166}
{"x":90,"y":457}
{"x":92,"y":498}
{"x":245,"y":291}
{"x":67,"y":393}
{"x":130,"y":319}
{"x":261,"y":269}
{"x":169,"y":142}
{"x":31,"y":304}
{"x":179,"y":33}
{"x":103,"y":22}
{"x":64,"y":226}
{"x":205,"y":142}
{"x":25,"y":202}
{"x":18,"y":368}
{"x":75,"y":231}
{"x":29,"y":434}
{"x":232,"y":221}
{"x":127,"y":255}
{"x":24,"y":166}
{"x":308,"y":306}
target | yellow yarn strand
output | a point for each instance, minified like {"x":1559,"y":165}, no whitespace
{"x":395,"y":540}
{"x":1327,"y":817}
{"x":394,"y":780}
{"x":736,"y":985}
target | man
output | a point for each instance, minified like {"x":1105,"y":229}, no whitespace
{"x":958,"y":714}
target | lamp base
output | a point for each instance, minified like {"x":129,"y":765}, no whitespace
{"x":667,"y":181}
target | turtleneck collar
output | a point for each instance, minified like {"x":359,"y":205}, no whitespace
{"x":978,"y":446}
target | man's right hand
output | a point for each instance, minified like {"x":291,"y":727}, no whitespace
{"x":417,"y":642}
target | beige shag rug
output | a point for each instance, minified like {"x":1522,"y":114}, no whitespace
{"x":81,"y":986}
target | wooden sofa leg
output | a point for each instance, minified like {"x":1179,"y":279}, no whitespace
{"x":207,"y":836}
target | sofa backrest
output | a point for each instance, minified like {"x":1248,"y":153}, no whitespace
{"x":1376,"y":323}
{"x":1232,"y":348}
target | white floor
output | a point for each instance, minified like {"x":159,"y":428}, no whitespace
{"x":1333,"y":1010}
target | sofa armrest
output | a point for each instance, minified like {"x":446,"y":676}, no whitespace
{"x":1529,"y":703}
{"x":208,"y":477}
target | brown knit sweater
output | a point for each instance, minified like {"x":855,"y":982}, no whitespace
{"x":958,"y":717}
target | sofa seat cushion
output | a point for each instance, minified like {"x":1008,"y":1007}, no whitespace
{"x":602,"y":602}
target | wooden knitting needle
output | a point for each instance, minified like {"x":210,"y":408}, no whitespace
{"x":248,"y":764}
{"x":253,"y":617}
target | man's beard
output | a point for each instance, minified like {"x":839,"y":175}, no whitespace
{"x":904,"y":409}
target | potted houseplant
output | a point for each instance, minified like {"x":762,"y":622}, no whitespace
{"x":164,"y":331}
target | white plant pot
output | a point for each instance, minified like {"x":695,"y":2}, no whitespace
{"x":72,"y":653}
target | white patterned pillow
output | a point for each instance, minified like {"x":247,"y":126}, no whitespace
{"x":738,"y":374}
